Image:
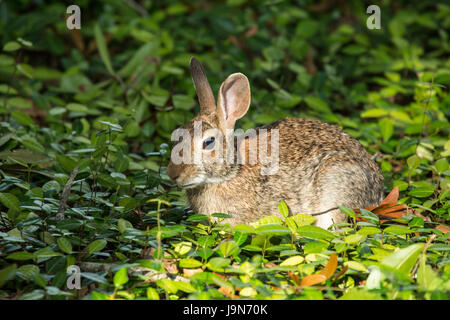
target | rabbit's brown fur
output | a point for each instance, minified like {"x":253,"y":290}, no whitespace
{"x":320,"y":167}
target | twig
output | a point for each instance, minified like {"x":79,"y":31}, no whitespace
{"x":65,"y":195}
{"x":423,"y":253}
{"x":136,"y":6}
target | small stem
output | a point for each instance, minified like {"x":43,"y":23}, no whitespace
{"x":158,"y":237}
{"x":424,"y":112}
{"x":423,"y":253}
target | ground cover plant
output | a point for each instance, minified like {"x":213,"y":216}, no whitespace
{"x":85,"y":122}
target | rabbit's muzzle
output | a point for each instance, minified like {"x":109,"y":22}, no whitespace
{"x":183,"y":176}
{"x":173,"y":171}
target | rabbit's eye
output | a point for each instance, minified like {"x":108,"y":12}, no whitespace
{"x":208,"y":143}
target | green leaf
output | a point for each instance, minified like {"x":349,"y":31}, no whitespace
{"x":33,"y":145}
{"x":51,"y":185}
{"x":20,"y":255}
{"x":374,"y":113}
{"x":399,"y":230}
{"x":22,"y":118}
{"x":102,"y":49}
{"x":182,"y":247}
{"x":347,"y":211}
{"x":77,"y":107}
{"x":167,"y":285}
{"x":244,"y":228}
{"x":441,"y":165}
{"x":240,"y":237}
{"x":64,"y":245}
{"x":28,"y":271}
{"x":317,"y":104}
{"x":360,"y":294}
{"x":106,"y":181}
{"x":96,"y":246}
{"x":184,"y":286}
{"x":218,"y":264}
{"x":205,"y":253}
{"x":292,"y":261}
{"x":68,"y":164}
{"x":152,"y":294}
{"x":267,"y":220}
{"x":45,"y":254}
{"x":315,"y":232}
{"x":10,"y":201}
{"x":198,"y":217}
{"x":369,"y":231}
{"x":355,"y":265}
{"x":123,"y":224}
{"x":190,"y":263}
{"x":403,"y":259}
{"x":303,"y":219}
{"x":272,"y":230}
{"x":426,"y":277}
{"x":413,"y":162}
{"x":229,"y":248}
{"x":386,"y":127}
{"x":221,"y":215}
{"x":422,"y":192}
{"x":355,"y":238}
{"x":283,"y":208}
{"x":7,"y":274}
{"x":11,"y":46}
{"x":121,"y":277}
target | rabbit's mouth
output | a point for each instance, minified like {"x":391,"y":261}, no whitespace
{"x":192,"y":183}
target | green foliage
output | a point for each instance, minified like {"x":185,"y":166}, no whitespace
{"x":85,"y":124}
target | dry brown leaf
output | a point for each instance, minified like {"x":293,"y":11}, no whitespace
{"x":190,"y":272}
{"x":418,"y":214}
{"x":388,"y":207}
{"x":170,"y":267}
{"x":391,"y":198}
{"x":313,"y":279}
{"x":443,"y":228}
{"x":251,"y":31}
{"x":341,"y":273}
{"x":326,"y":273}
{"x":228,"y":292}
{"x":294,"y":278}
{"x":331,"y":266}
{"x":391,"y":209}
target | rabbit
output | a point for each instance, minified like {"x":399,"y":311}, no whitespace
{"x":319,"y":166}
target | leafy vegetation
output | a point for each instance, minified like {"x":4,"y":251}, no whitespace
{"x":85,"y":123}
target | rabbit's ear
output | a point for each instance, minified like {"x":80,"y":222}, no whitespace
{"x":204,"y":92}
{"x":233,"y":100}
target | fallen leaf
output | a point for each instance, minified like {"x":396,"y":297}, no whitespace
{"x":389,"y":208}
{"x":294,"y":278}
{"x":341,"y":273}
{"x":326,"y":273}
{"x":443,"y":228}
{"x":228,"y":292}
{"x":331,"y":266}
{"x":313,"y":279}
{"x":170,"y":267}
{"x":391,"y":198}
{"x":190,"y":272}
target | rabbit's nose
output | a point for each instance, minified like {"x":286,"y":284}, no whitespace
{"x":173,"y":171}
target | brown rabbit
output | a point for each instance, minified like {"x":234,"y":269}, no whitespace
{"x":317,"y":166}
